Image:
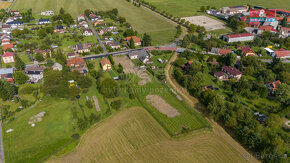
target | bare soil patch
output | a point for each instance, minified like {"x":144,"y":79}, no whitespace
{"x":208,"y":23}
{"x":129,"y":67}
{"x":160,"y":104}
{"x":96,"y":102}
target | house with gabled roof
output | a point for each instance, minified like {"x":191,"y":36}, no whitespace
{"x":43,"y":21}
{"x":81,"y":17}
{"x":34,"y":72}
{"x":8,"y":46}
{"x":247,"y":51}
{"x":87,"y":32}
{"x":282,"y":53}
{"x":106,"y":64}
{"x":239,"y":37}
{"x":78,"y":64}
{"x":221,"y":51}
{"x":82,"y":48}
{"x":7,"y":73}
{"x":232,"y":72}
{"x":137,"y":40}
{"x":269,"y":28}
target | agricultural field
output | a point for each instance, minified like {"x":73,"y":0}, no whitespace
{"x":133,"y":136}
{"x":183,"y":8}
{"x":142,"y":20}
{"x":5,"y":5}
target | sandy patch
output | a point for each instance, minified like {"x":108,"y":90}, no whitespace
{"x":208,"y":23}
{"x":96,"y":103}
{"x":36,"y":118}
{"x":129,"y":67}
{"x":160,"y":104}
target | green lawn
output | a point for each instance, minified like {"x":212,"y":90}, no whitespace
{"x":188,"y":116}
{"x":141,"y":19}
{"x":182,"y":8}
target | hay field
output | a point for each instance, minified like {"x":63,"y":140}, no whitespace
{"x":143,"y":21}
{"x":5,"y":5}
{"x":134,"y":136}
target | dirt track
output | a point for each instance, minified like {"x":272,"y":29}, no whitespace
{"x":217,"y":129}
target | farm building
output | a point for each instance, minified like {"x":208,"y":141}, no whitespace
{"x":239,"y":37}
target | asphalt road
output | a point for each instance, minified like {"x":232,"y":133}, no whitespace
{"x":96,"y":35}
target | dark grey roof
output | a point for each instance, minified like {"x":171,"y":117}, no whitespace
{"x":140,"y":53}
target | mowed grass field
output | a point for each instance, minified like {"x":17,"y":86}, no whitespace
{"x":5,"y":5}
{"x":142,"y":20}
{"x":182,"y":8}
{"x":133,"y":135}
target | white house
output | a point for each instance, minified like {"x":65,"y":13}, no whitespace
{"x":87,"y":32}
{"x":34,"y":72}
{"x":47,"y":13}
{"x":239,"y":37}
{"x":57,"y":66}
{"x":43,"y":21}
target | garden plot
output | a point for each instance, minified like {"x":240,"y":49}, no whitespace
{"x":160,"y":104}
{"x":208,"y":23}
{"x":129,"y":67}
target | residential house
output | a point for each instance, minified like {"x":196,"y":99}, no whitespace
{"x":146,"y":60}
{"x":273,"y":24}
{"x":8,"y":57}
{"x":8,"y":46}
{"x":94,"y":17}
{"x":221,"y":51}
{"x":239,"y":37}
{"x":57,"y":66}
{"x":283,"y":12}
{"x":272,"y":86}
{"x":5,"y":40}
{"x":137,"y":54}
{"x":71,"y":55}
{"x":81,"y":17}
{"x":82,"y":48}
{"x":247,"y":51}
{"x":186,"y":66}
{"x":106,"y":64}
{"x":282,"y":54}
{"x":47,"y":13}
{"x":234,"y":10}
{"x":10,"y":19}
{"x":232,"y":72}
{"x":14,"y":12}
{"x":18,"y":16}
{"x":114,"y":44}
{"x":87,"y":32}
{"x":34,"y":72}
{"x":269,"y":28}
{"x":84,"y":24}
{"x":59,"y":29}
{"x":45,"y":53}
{"x":99,"y":21}
{"x":43,"y":21}
{"x":78,"y":64}
{"x":7,"y":73}
{"x":285,"y":32}
{"x":6,"y":28}
{"x":14,"y":24}
{"x":137,"y":40}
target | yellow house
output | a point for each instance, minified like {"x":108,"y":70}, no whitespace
{"x":106,"y":64}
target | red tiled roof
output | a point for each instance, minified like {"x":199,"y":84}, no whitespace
{"x":105,"y":61}
{"x":8,"y":46}
{"x":240,"y":35}
{"x":267,"y":28}
{"x":246,"y":49}
{"x":244,"y":18}
{"x":281,"y":18}
{"x":225,"y":51}
{"x":285,"y":29}
{"x":190,"y":62}
{"x":135,"y":39}
{"x":219,"y":73}
{"x":75,"y":61}
{"x":8,"y":54}
{"x":282,"y":53}
{"x":275,"y":84}
{"x":283,"y":10}
{"x":231,"y":70}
